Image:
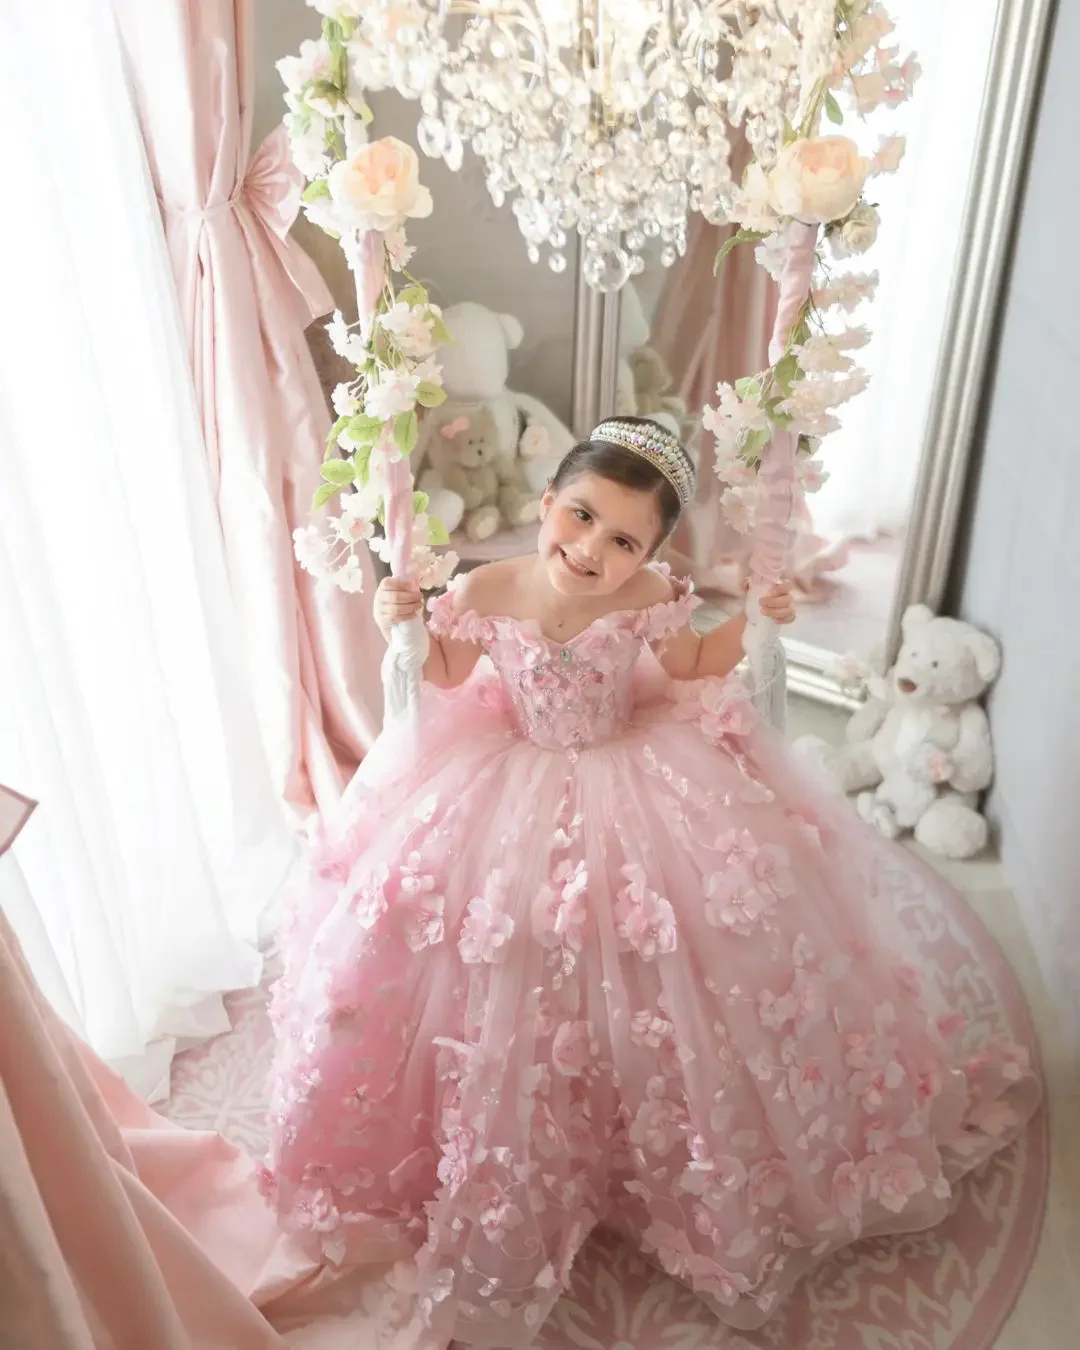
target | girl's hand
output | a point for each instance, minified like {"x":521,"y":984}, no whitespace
{"x":777,"y":604}
{"x":396,"y":601}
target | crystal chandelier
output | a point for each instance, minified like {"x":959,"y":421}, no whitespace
{"x":610,"y":119}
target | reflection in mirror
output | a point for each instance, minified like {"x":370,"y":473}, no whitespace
{"x":487,"y":453}
{"x":683,"y":331}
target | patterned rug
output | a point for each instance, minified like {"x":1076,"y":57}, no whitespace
{"x":949,"y":1289}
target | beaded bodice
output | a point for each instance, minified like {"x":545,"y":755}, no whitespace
{"x":572,"y":694}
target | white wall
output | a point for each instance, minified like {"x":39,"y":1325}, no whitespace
{"x":467,"y":250}
{"x":1020,"y":576}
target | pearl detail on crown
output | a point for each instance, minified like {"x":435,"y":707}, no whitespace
{"x":655,"y":445}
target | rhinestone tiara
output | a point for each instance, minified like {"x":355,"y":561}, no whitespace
{"x":659,"y":447}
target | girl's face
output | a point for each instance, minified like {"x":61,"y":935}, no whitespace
{"x":596,"y":534}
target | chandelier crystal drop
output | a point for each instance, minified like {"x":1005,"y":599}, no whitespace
{"x":609,"y":119}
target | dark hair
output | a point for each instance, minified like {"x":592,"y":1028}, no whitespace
{"x":622,"y":466}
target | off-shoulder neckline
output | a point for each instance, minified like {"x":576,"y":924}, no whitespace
{"x":637,"y":619}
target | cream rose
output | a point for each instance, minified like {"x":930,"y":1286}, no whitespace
{"x":858,"y":232}
{"x":377,"y":186}
{"x":818,"y":180}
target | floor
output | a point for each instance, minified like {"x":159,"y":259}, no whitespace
{"x":1048,"y":1313}
{"x":853,"y":611}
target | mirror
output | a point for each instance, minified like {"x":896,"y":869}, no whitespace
{"x":878,"y":534}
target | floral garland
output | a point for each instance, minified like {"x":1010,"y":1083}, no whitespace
{"x":362,"y":192}
{"x":817,"y":180}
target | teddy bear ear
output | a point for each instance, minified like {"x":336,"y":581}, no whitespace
{"x":987,"y":655}
{"x":513,"y":330}
{"x":915,"y":616}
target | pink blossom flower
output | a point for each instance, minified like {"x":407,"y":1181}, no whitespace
{"x":496,"y":1211}
{"x":892,"y":1179}
{"x":457,"y":1153}
{"x":646,"y":1029}
{"x":715,"y":1180}
{"x":316,"y":1212}
{"x":736,"y":902}
{"x":644,"y":919}
{"x":658,"y":1126}
{"x":872,"y":1086}
{"x":573,"y":1049}
{"x":267,"y":1182}
{"x":485,"y":934}
{"x":768,"y":1185}
{"x":725,"y":711}
{"x":772,"y":871}
{"x":848,"y":1190}
{"x":808,"y":1086}
{"x":775,"y":1012}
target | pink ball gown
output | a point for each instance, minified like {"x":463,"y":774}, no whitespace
{"x":598,"y":954}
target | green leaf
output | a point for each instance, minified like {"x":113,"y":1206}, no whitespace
{"x":412,"y":295}
{"x":749,"y":387}
{"x":317,"y":188}
{"x":430,"y":395}
{"x":439,"y":330}
{"x":339,"y":67}
{"x":323,"y":493}
{"x":787,"y":371}
{"x":420,"y":503}
{"x":790,"y":134}
{"x":437,"y":535}
{"x":338,"y":471}
{"x":406,"y":432}
{"x":756,"y":442}
{"x":832,"y":110}
{"x":362,"y":464}
{"x":364,"y":430}
{"x":778,"y":418}
{"x":335,"y":431}
{"x":739,"y":237}
{"x":325,"y":89}
{"x":805,"y":446}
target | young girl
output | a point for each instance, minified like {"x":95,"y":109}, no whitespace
{"x":596,"y":953}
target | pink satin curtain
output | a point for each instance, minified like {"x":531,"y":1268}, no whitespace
{"x":710,"y":329}
{"x":246,"y":293}
{"x":117,"y":1232}
{"x":120,"y":1231}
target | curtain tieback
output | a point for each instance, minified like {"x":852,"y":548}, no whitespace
{"x":271,"y":191}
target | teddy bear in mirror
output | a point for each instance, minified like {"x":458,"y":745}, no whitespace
{"x":488,"y":452}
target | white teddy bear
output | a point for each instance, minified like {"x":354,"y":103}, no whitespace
{"x":918,"y":753}
{"x":515,"y":434}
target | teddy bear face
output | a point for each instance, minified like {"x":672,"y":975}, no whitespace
{"x":472,"y":441}
{"x":942,"y":661}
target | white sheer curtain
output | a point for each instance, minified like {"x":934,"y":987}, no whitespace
{"x":123,"y":704}
{"x":873,"y":460}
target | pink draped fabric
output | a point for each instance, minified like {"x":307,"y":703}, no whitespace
{"x":709,"y":329}
{"x":247,"y":292}
{"x":119,"y":1231}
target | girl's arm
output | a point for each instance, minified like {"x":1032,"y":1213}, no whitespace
{"x":449,"y":661}
{"x":690,"y":656}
